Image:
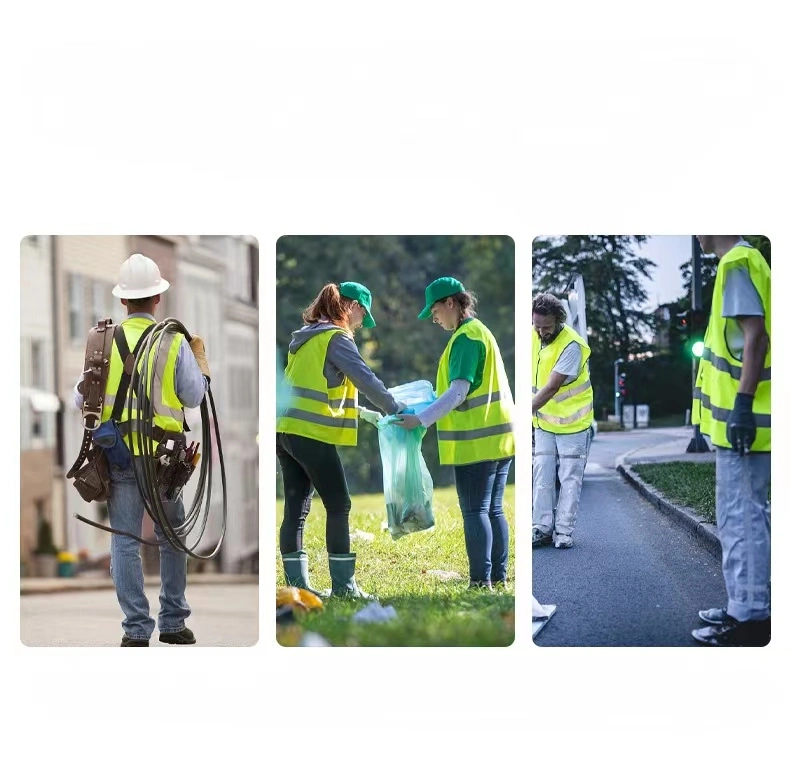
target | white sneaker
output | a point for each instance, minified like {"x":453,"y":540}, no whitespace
{"x":562,"y":541}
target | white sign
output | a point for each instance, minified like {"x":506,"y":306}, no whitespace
{"x":642,"y":415}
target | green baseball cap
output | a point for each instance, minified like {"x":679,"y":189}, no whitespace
{"x":361,"y":295}
{"x":439,"y":289}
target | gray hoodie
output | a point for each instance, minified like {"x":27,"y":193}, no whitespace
{"x":343,"y":360}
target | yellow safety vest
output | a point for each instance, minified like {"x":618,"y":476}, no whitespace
{"x":315,"y":410}
{"x":481,"y":428}
{"x":719,"y":372}
{"x":161,"y":382}
{"x":571,"y":409}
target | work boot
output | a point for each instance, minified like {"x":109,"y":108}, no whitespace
{"x":297,"y":575}
{"x":344,"y":584}
{"x":127,"y":641}
{"x":182,"y":637}
{"x":715,"y":616}
{"x":562,"y":541}
{"x":756,"y":633}
{"x":540,"y":538}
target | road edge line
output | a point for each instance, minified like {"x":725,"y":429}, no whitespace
{"x":684,"y":516}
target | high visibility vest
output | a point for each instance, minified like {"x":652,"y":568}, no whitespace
{"x":168,"y":411}
{"x":315,"y":410}
{"x":719,"y":372}
{"x":571,"y":408}
{"x":481,"y":428}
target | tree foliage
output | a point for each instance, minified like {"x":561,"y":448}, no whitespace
{"x":400,"y":348}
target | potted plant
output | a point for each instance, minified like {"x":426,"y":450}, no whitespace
{"x":46,"y":552}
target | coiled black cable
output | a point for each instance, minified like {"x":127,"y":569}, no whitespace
{"x":140,"y":417}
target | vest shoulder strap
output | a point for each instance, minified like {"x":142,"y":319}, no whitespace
{"x":129,"y":360}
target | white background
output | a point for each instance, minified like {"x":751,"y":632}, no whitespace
{"x":381,"y":118}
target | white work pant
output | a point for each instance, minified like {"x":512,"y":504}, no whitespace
{"x":571,"y":453}
{"x":743,"y":520}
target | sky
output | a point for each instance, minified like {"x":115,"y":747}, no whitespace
{"x":669,"y":252}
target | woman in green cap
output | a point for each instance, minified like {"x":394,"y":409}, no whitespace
{"x":320,"y":412}
{"x":474,"y":420}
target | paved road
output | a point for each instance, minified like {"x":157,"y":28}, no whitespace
{"x":633,"y":577}
{"x":222,"y":615}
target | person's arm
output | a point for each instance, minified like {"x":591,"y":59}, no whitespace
{"x":755,"y":349}
{"x":343,"y":354}
{"x":548,"y":391}
{"x":190,"y":383}
{"x":450,"y":399}
{"x":467,"y":359}
{"x":78,"y":397}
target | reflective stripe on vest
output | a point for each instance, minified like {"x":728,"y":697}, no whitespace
{"x":480,"y":428}
{"x":315,"y":410}
{"x":719,"y":372}
{"x":571,"y":408}
{"x":168,"y":412}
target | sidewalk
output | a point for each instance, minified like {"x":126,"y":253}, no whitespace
{"x":32,"y":585}
{"x":673,"y":449}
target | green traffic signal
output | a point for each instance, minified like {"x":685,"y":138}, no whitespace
{"x":698,"y":348}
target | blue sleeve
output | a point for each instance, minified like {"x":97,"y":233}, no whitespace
{"x":190,"y":383}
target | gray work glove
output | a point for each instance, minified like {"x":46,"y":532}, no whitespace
{"x":199,"y":351}
{"x":372,"y":417}
{"x":741,"y":425}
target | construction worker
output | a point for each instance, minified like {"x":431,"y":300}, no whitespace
{"x":320,"y":411}
{"x":184,"y":374}
{"x":562,"y":416}
{"x":474,"y":421}
{"x":732,"y":405}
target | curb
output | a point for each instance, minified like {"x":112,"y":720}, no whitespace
{"x":684,"y":516}
{"x":39,"y":585}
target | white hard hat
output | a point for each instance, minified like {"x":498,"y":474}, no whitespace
{"x":139,"y":278}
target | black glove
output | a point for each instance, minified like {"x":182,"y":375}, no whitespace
{"x":741,"y":427}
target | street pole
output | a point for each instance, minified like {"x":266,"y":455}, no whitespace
{"x":697,"y":443}
{"x":617,"y":400}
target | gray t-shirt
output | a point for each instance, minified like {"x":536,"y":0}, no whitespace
{"x":570,"y":362}
{"x":740,"y":299}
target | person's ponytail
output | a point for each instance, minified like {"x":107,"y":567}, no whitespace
{"x":329,"y":305}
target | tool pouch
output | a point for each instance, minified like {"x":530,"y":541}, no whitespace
{"x":93,"y":480}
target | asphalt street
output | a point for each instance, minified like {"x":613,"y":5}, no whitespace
{"x":633,"y":577}
{"x":222,"y":615}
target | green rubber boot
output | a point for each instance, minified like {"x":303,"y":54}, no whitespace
{"x":344,"y":585}
{"x":297,"y":573}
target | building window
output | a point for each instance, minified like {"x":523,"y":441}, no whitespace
{"x":253,"y":257}
{"x":98,"y":302}
{"x":37,"y":374}
{"x":76,"y":306}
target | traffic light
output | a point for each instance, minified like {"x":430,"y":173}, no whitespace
{"x":692,"y":325}
{"x":697,"y":329}
{"x":622,"y":390}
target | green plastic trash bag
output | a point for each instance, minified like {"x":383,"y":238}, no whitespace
{"x":408,"y":486}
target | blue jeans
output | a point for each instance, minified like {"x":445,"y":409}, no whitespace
{"x":480,"y":489}
{"x":743,"y":520}
{"x":126,"y":508}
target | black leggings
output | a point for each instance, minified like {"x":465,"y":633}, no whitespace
{"x":309,"y":465}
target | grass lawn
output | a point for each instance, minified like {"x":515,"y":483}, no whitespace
{"x":430,"y":611}
{"x":684,"y":483}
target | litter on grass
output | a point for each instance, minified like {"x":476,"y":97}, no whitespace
{"x":444,"y":575}
{"x":375,"y":612}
